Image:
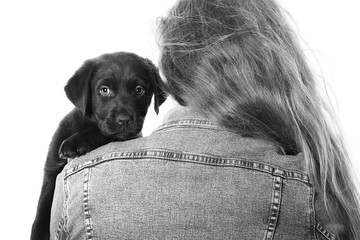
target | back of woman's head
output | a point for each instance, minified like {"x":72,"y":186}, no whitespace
{"x":239,"y":63}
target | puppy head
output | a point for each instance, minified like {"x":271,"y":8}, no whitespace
{"x":115,"y":91}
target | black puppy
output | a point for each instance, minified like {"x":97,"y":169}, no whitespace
{"x":112,"y":94}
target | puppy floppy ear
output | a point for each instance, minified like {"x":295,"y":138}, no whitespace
{"x":158,"y":85}
{"x":78,"y":88}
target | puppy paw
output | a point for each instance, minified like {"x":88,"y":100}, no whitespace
{"x":74,"y":146}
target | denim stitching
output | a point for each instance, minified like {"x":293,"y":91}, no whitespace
{"x":88,"y":226}
{"x":328,"y":235}
{"x":191,"y":126}
{"x":275,"y":209}
{"x":59,"y":228}
{"x":193,"y":158}
{"x":62,"y":227}
{"x":312,"y":213}
{"x":188,"y":122}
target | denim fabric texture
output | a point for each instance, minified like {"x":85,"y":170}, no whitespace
{"x":189,"y":179}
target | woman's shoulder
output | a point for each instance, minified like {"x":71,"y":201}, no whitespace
{"x":186,"y":136}
{"x":194,"y":167}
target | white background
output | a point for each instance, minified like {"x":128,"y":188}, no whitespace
{"x":42,"y":43}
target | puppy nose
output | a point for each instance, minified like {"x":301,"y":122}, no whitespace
{"x":123,"y":120}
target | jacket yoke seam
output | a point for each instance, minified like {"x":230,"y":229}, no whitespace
{"x":163,"y":154}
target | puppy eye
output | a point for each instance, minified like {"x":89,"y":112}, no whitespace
{"x":105,"y":91}
{"x":139,"y":90}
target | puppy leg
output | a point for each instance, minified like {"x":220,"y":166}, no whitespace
{"x":53,"y":166}
{"x":41,"y":225}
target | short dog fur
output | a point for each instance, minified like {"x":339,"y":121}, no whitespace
{"x":111,"y":94}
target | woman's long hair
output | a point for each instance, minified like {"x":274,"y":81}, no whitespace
{"x":239,"y":62}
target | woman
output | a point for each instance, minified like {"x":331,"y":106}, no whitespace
{"x":252,"y":155}
{"x":241,"y":65}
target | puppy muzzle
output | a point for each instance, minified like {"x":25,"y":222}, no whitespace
{"x":122,"y":127}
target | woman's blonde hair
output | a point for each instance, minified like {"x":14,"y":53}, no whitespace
{"x":240,"y":64}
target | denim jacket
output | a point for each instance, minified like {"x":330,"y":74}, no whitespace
{"x":190,"y":179}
